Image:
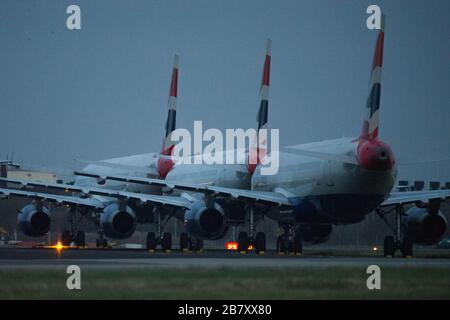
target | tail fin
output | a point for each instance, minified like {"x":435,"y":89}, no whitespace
{"x":164,"y":165}
{"x":370,"y":126}
{"x":264,"y":91}
{"x":259,"y":150}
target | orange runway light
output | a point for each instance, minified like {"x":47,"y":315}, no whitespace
{"x":58,"y":247}
{"x":231,"y":245}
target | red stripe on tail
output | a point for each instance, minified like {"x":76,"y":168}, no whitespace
{"x":174,"y":83}
{"x":378,"y":55}
{"x":266,"y":72}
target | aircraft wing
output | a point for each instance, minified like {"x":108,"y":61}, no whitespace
{"x":60,"y":199}
{"x":415,"y":196}
{"x":86,"y":190}
{"x":252,"y":195}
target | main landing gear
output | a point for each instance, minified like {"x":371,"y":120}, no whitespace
{"x":252,"y":241}
{"x":290,"y":241}
{"x":74,"y":236}
{"x":401,"y":240}
{"x":190,"y":244}
{"x":159,"y":238}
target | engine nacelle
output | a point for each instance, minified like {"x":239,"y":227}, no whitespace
{"x":425,"y":227}
{"x":118,"y":223}
{"x":205,"y":223}
{"x":316,"y":233}
{"x":34,"y":221}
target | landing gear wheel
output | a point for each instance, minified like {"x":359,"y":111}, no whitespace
{"x":199,"y":244}
{"x":195,"y":244}
{"x":407,"y":247}
{"x":279,"y":244}
{"x":298,"y":245}
{"x":282,"y":245}
{"x":151,"y":241}
{"x":184,"y":241}
{"x":66,"y":238}
{"x":243,"y":242}
{"x":260,"y":242}
{"x":166,"y":242}
{"x":389,"y":246}
{"x":80,"y":239}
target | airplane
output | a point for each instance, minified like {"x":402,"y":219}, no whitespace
{"x":160,"y":166}
{"x":318,"y":185}
{"x":154,"y":167}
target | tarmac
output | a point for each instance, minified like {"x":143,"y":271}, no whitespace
{"x":38,"y":258}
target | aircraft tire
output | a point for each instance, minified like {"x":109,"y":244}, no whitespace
{"x":389,"y":246}
{"x":66,"y":238}
{"x":184,"y":241}
{"x":166,"y":243}
{"x":298,"y":245}
{"x":260,"y":242}
{"x":151,"y":241}
{"x":80,"y":239}
{"x":243,"y":241}
{"x":407,"y":247}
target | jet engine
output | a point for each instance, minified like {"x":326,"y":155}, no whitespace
{"x":316,"y":233}
{"x":118,"y":222}
{"x":205,"y":222}
{"x":34,"y":220}
{"x":425,"y":227}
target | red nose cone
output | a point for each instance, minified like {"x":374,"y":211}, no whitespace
{"x":375,"y":155}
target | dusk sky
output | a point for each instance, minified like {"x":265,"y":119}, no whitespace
{"x":101,"y":92}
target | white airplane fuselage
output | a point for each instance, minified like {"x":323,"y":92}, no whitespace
{"x":322,"y":191}
{"x":327,"y":191}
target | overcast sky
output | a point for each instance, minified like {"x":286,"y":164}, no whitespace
{"x":102,"y":91}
